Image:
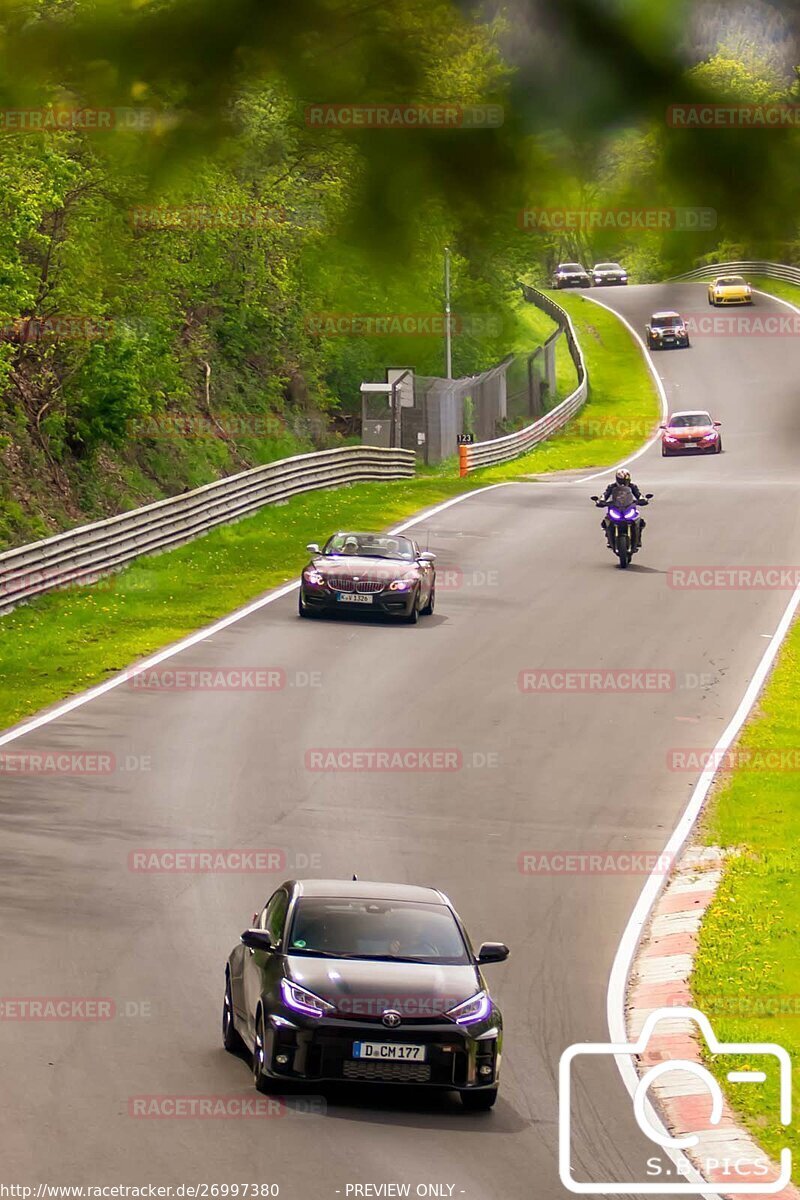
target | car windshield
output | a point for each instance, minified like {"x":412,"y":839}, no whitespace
{"x":689,"y":420}
{"x":668,"y":322}
{"x":369,"y":545}
{"x":570,"y":267}
{"x":731,"y":281}
{"x":608,"y":267}
{"x":388,"y":930}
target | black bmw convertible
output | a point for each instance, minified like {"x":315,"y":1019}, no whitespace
{"x":383,"y":574}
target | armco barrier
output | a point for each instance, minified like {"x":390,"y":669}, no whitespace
{"x":769,"y":270}
{"x":503,"y":449}
{"x":82,"y":555}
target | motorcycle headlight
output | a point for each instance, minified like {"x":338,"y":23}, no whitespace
{"x":302,"y":1001}
{"x":630,"y":513}
{"x":477,"y":1008}
{"x":313,"y":576}
{"x":615,"y":513}
{"x":401,"y":585}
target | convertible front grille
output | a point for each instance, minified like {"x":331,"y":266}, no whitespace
{"x":340,"y":583}
{"x":390,"y":1072}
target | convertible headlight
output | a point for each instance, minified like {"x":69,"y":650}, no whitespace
{"x":303,"y":1001}
{"x":313,"y":576}
{"x":477,"y":1008}
{"x":401,"y":585}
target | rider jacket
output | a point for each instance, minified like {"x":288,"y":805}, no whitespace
{"x":612,"y":488}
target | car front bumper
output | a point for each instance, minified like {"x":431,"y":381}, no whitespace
{"x":321,"y":1049}
{"x":386,"y":603}
{"x":609,"y":282}
{"x":682,"y":448}
{"x":573,"y":281}
{"x":732,"y":299}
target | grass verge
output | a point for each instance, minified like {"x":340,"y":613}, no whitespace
{"x":67,"y":641}
{"x":747,"y":972}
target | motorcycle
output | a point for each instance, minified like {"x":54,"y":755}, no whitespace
{"x":623,"y":517}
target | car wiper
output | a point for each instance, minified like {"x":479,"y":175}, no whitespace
{"x":316,"y":953}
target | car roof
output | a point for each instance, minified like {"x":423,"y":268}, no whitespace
{"x":668,"y":312}
{"x":690,"y":412}
{"x":361,"y":889}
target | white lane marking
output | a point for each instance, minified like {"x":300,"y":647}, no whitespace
{"x":201,"y":635}
{"x":629,"y":943}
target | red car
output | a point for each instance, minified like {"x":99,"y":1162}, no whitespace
{"x":690,"y":433}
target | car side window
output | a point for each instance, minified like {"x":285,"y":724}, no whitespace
{"x":274,"y":915}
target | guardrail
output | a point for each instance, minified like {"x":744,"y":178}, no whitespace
{"x":85,"y":554}
{"x":769,"y":270}
{"x":511,"y":445}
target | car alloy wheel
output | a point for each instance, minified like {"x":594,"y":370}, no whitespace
{"x":480,"y":1101}
{"x":428,"y":609}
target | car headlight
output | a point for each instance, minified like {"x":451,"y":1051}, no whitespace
{"x":669,"y":438}
{"x":709,"y":437}
{"x":313,"y":576}
{"x":302,"y":1001}
{"x":401,"y":585}
{"x":477,"y":1008}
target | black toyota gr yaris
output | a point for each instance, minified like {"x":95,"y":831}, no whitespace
{"x":372,"y":982}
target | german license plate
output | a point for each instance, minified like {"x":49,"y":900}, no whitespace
{"x":389,"y":1051}
{"x":353,"y":598}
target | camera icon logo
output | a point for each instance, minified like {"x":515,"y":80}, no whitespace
{"x":767,"y":1054}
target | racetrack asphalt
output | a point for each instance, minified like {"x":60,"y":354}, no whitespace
{"x":533,"y":588}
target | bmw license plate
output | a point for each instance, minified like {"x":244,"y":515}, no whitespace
{"x":690,"y":445}
{"x":389,"y":1051}
{"x":353,"y":598}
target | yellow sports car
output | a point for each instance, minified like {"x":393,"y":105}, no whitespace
{"x":730,"y":289}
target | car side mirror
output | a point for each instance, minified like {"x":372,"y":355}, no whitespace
{"x":426,"y":556}
{"x":258,"y":939}
{"x":662,"y":427}
{"x":491,"y":952}
{"x":313,"y":547}
{"x":718,"y":424}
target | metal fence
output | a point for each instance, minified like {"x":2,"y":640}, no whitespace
{"x":83,"y":555}
{"x":502,"y":449}
{"x":432,"y":413}
{"x":769,"y":270}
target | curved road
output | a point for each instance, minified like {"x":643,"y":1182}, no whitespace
{"x":540,"y":773}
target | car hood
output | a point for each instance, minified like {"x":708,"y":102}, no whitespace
{"x":361,"y":988}
{"x":689,"y":431}
{"x":364,"y":568}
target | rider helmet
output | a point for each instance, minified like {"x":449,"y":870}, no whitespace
{"x":623,"y":476}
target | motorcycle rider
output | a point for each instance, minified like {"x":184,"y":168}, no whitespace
{"x":619,"y":488}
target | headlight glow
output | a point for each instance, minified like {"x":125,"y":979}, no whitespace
{"x":303,"y":1001}
{"x":477,"y":1008}
{"x":615,"y":514}
{"x":401,"y":585}
{"x":630,"y":514}
{"x":313,"y":576}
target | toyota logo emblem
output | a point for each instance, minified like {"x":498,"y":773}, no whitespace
{"x":391,"y":1018}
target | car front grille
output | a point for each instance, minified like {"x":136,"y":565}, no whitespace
{"x":389,"y":1072}
{"x":341,"y":583}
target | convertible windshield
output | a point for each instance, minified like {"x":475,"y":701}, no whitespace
{"x":376,"y":929}
{"x":370,"y":545}
{"x":689,"y":420}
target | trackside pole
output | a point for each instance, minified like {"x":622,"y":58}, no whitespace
{"x":463,"y":461}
